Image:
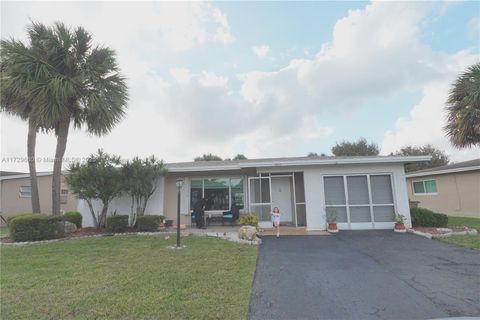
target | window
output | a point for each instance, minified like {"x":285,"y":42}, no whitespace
{"x":64,"y":192}
{"x":425,"y":187}
{"x":25,"y":192}
{"x":220,"y":193}
{"x":360,"y":198}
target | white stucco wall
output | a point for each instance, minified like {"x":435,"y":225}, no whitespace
{"x":315,"y":198}
{"x":122,"y":205}
{"x":314,"y":189}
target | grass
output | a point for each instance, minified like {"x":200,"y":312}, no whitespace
{"x":464,"y":222}
{"x":128,"y":277}
{"x":468,"y":241}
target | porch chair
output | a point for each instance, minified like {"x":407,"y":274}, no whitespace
{"x":231,"y":216}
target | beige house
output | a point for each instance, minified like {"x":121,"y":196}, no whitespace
{"x":15,"y":194}
{"x":452,"y":189}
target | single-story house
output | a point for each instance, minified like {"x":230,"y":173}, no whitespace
{"x":15,"y":193}
{"x":364,"y":192}
{"x":452,"y":189}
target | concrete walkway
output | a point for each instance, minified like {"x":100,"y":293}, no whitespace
{"x":364,"y":275}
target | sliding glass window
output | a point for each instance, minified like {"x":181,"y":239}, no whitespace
{"x":359,"y":198}
{"x":219,"y":193}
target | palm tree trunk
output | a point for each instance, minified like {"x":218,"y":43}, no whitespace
{"x":31,"y":141}
{"x":62,"y":135}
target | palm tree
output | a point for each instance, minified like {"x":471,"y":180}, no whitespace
{"x":463,"y":122}
{"x":71,"y":82}
{"x":15,"y":101}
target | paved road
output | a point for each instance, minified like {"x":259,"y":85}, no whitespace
{"x":364,"y":275}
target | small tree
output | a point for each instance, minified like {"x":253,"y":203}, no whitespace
{"x":208,"y":157}
{"x":359,"y":148}
{"x":99,"y":178}
{"x":439,"y":158}
{"x":240,"y":157}
{"x":140,"y":180}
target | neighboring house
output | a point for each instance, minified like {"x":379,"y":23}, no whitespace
{"x":452,"y":189}
{"x":365,"y":192}
{"x":15,"y":193}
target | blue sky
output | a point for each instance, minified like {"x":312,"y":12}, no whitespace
{"x":266,"y":78}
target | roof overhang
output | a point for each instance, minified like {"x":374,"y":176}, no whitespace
{"x":27,"y":175}
{"x":438,"y":172}
{"x":300,"y":162}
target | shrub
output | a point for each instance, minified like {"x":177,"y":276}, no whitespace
{"x":148,"y":223}
{"x":36,"y":227}
{"x":74,"y":217}
{"x":10,"y":218}
{"x":117,"y":224}
{"x":248,"y":220}
{"x":422,"y":217}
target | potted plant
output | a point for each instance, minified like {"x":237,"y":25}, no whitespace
{"x":332,"y":220}
{"x":399,"y":223}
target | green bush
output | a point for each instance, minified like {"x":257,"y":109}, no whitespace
{"x":10,"y":218}
{"x":35,"y":227}
{"x":248,"y":220}
{"x":74,"y":217}
{"x":117,"y":224}
{"x":422,"y":217}
{"x":148,"y":223}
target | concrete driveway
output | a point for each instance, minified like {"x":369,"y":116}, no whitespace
{"x":364,"y":275}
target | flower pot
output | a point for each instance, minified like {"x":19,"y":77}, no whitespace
{"x":332,"y":227}
{"x":400,"y":227}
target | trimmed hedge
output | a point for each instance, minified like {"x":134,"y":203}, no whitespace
{"x":148,"y":223}
{"x":36,"y":227}
{"x":74,"y":217}
{"x":117,"y":224}
{"x":10,"y":218}
{"x":422,"y":217}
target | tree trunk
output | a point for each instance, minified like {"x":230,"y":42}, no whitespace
{"x":31,"y":140}
{"x":103,"y":216}
{"x":132,"y":214}
{"x":62,"y":135}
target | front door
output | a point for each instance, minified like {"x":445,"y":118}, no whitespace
{"x":282,"y":197}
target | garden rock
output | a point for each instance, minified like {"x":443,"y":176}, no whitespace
{"x":69,"y":227}
{"x":247,"y":233}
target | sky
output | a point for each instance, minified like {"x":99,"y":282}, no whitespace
{"x":263,"y":79}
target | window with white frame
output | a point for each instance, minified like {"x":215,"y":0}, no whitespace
{"x":360,"y":198}
{"x":425,"y":187}
{"x":25,"y":192}
{"x":219,"y":193}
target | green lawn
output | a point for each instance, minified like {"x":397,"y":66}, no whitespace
{"x":468,"y":241}
{"x":128,"y":277}
{"x":464,"y":222}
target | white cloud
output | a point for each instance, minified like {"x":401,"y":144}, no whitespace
{"x":261,"y":51}
{"x":428,"y":117}
{"x":374,"y":52}
{"x":154,"y":26}
{"x":223,"y":32}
